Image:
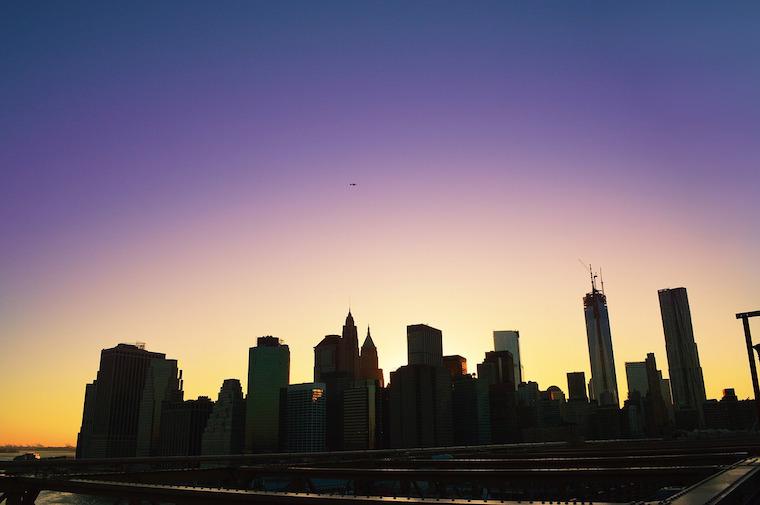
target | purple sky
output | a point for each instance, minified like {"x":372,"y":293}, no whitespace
{"x":140,"y":144}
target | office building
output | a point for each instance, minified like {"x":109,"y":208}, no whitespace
{"x":420,"y":406}
{"x":424,"y":345}
{"x":163,"y":383}
{"x":509,"y":340}
{"x":496,"y":372}
{"x":686,"y":380}
{"x":182,"y":426}
{"x":471,"y":411}
{"x":348,"y":360}
{"x":576,"y":386}
{"x":455,"y":364}
{"x":326,"y":355}
{"x":368,"y":362}
{"x":603,"y":378}
{"x":636,"y":376}
{"x":361,"y":415}
{"x":225,"y":429}
{"x":112,"y":403}
{"x":303,"y":418}
{"x":268,"y":372}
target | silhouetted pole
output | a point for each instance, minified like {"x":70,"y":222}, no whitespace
{"x":752,"y":370}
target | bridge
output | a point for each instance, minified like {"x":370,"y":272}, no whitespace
{"x":678,"y":472}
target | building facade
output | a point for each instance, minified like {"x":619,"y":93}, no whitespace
{"x":686,"y":379}
{"x":509,"y":340}
{"x":424,"y":345}
{"x":303,"y":418}
{"x":225,"y":429}
{"x":112,"y":403}
{"x":268,"y":372}
{"x":599,"y":336}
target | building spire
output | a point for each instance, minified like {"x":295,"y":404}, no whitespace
{"x":368,"y":343}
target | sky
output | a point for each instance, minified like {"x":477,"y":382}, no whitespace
{"x":179,"y":173}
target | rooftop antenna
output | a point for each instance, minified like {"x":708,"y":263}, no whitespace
{"x":591,"y":274}
{"x":601,"y":278}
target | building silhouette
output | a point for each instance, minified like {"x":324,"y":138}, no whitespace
{"x":225,"y":429}
{"x":368,"y":362}
{"x":576,"y":386}
{"x":509,"y":340}
{"x":636,"y":376}
{"x":182,"y":426}
{"x":420,"y":406}
{"x":112,"y":403}
{"x":455,"y":364}
{"x":424,"y":345}
{"x":496,"y":373}
{"x":163,"y":383}
{"x":337,"y":366}
{"x":348,"y":360}
{"x":603,"y":378}
{"x":268,"y":372}
{"x":471,"y":413}
{"x":362,"y":415}
{"x":686,"y":380}
{"x":326,"y":356}
{"x":303,"y":418}
{"x":577,"y":408}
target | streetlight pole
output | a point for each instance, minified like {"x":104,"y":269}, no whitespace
{"x":744,"y":316}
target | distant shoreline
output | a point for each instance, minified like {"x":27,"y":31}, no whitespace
{"x":4,"y":449}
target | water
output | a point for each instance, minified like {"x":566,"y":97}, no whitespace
{"x":54,"y":497}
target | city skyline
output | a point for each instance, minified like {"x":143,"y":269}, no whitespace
{"x":198,"y":177}
{"x":352,"y":330}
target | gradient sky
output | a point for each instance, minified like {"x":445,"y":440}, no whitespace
{"x":177,"y":173}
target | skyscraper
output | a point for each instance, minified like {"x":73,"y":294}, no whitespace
{"x":424,"y":345}
{"x":509,"y":340}
{"x":303,"y":418}
{"x":225,"y":429}
{"x":360,"y":415}
{"x":497,"y":372}
{"x":348,"y":360}
{"x":686,"y":379}
{"x":163,"y":383}
{"x":455,"y":364}
{"x":112,"y":403}
{"x":326,"y":356}
{"x":420,"y":407}
{"x":182,"y":426}
{"x":636,"y":376}
{"x":576,"y":386}
{"x":368,"y":365}
{"x":603,"y":378}
{"x":268,"y":372}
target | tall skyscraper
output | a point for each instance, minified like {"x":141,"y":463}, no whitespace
{"x":636,"y":376}
{"x":112,"y":403}
{"x":576,"y":386}
{"x":686,"y":379}
{"x":471,"y":412}
{"x":420,"y":407}
{"x":349,"y":356}
{"x":424,"y":345}
{"x":163,"y":383}
{"x":268,"y":372}
{"x":368,"y":364}
{"x":303,"y":418}
{"x":509,"y":340}
{"x":603,"y":378}
{"x":361,"y":415}
{"x":497,"y":372}
{"x":225,"y":429}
